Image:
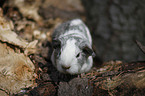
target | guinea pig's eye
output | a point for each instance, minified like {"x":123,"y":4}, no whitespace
{"x":56,"y":44}
{"x":78,"y":55}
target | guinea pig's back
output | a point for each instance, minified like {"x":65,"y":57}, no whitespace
{"x":73,"y":28}
{"x":81,"y":28}
{"x":60,"y":30}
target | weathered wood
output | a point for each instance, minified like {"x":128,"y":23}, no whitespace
{"x":116,"y":78}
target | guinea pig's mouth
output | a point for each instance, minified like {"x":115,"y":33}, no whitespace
{"x":66,"y":71}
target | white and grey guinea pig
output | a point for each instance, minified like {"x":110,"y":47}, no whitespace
{"x":72,"y":47}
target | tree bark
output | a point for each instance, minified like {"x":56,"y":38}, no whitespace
{"x":115,"y":25}
{"x":116,"y":78}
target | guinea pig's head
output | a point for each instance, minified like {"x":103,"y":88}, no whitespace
{"x":71,"y":57}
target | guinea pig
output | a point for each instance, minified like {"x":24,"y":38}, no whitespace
{"x":72,"y":47}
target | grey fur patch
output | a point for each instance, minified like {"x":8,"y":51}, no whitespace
{"x":65,"y":27}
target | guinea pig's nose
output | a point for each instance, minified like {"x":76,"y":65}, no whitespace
{"x":65,"y":67}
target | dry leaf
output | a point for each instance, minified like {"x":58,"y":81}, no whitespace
{"x":27,"y":8}
{"x":7,"y":35}
{"x":16,"y":69}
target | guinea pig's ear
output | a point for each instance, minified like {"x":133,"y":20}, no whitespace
{"x":88,"y":51}
{"x":56,"y":43}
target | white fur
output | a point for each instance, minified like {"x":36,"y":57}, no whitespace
{"x":76,"y":22}
{"x":68,"y":58}
{"x":87,"y":66}
{"x":68,"y":53}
